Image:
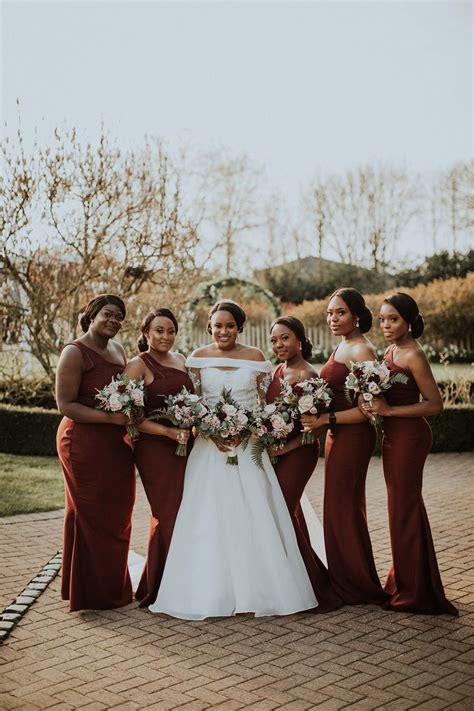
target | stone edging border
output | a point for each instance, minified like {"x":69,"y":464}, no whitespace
{"x":13,"y":613}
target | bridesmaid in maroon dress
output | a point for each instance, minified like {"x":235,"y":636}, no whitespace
{"x":413,"y":582}
{"x":161,"y":470}
{"x":296,"y":462}
{"x":97,"y":463}
{"x":350,"y":442}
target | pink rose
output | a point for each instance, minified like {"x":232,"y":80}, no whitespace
{"x":305,"y":403}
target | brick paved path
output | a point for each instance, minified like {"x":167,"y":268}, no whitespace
{"x":354,"y":658}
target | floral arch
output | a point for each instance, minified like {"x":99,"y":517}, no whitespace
{"x":208,"y":292}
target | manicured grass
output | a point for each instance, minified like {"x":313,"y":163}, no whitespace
{"x":30,"y":484}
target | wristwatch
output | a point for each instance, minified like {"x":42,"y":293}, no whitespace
{"x":332,"y":420}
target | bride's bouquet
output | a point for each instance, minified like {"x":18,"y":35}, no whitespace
{"x":184,"y":410}
{"x":310,"y":397}
{"x":272,"y":424}
{"x":123,"y":394}
{"x":371,"y":378}
{"x":226,"y":420}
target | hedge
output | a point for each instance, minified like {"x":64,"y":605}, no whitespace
{"x":33,"y":430}
{"x":28,"y":430}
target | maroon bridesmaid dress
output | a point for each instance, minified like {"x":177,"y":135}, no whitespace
{"x":413,"y":582}
{"x":162,"y":474}
{"x":293,"y":470}
{"x":99,"y":478}
{"x":347,"y":455}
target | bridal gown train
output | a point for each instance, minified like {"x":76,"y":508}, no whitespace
{"x":234,"y":547}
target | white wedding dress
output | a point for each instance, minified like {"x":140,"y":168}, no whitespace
{"x":233,"y":547}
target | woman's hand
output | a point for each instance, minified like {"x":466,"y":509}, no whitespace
{"x":277,"y":450}
{"x":376,"y":406}
{"x":118,"y":418}
{"x":315,"y":423}
{"x":177,"y":435}
{"x":361,"y":404}
{"x":224,"y":446}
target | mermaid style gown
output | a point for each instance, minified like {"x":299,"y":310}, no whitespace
{"x":294,"y":470}
{"x":162,"y":475}
{"x":234,"y":547}
{"x":413,"y":582}
{"x":347,"y":455}
{"x":99,"y":479}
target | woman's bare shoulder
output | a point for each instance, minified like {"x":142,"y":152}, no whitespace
{"x":251,"y":353}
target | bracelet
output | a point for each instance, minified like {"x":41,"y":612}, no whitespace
{"x":332,"y":421}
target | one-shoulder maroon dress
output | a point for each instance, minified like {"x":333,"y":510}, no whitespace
{"x":162,"y":474}
{"x":413,"y":582}
{"x":293,"y":470}
{"x":347,"y":455}
{"x":99,"y":475}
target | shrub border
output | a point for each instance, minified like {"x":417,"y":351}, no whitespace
{"x":32,"y":430}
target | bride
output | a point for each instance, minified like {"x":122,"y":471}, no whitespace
{"x":233,"y":548}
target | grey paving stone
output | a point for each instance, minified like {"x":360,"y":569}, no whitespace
{"x":11,"y":616}
{"x":31,"y":593}
{"x":20,"y":605}
{"x":6,"y":625}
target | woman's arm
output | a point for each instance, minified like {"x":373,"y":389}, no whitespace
{"x":343,"y":417}
{"x":195,"y":375}
{"x":68,"y":382}
{"x":295,"y":443}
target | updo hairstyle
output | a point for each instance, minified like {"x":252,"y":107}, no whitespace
{"x":233,"y":308}
{"x":95,"y":305}
{"x":295,"y":325}
{"x":408,"y":310}
{"x":356,"y":305}
{"x":145,"y":327}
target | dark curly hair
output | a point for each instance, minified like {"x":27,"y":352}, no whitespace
{"x":145,"y":327}
{"x":95,"y":305}
{"x":295,"y":325}
{"x":233,"y":308}
{"x":356,"y":305}
{"x":408,"y":310}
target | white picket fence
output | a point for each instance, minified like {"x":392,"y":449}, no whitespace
{"x":258,"y":334}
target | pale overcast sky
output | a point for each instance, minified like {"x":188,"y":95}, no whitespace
{"x":297,"y":86}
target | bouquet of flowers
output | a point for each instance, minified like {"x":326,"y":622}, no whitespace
{"x":310,"y":397}
{"x":226,"y":420}
{"x":271,"y":424}
{"x":184,"y":410}
{"x":370,"y":378}
{"x":123,"y":394}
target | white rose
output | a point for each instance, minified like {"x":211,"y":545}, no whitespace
{"x":229,"y":410}
{"x":114,"y":403}
{"x":193,"y":398}
{"x":242,"y":418}
{"x":270,"y":409}
{"x":374,"y":388}
{"x":305,"y":403}
{"x":137,"y":396}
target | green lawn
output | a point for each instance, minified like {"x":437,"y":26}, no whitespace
{"x":30,"y":484}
